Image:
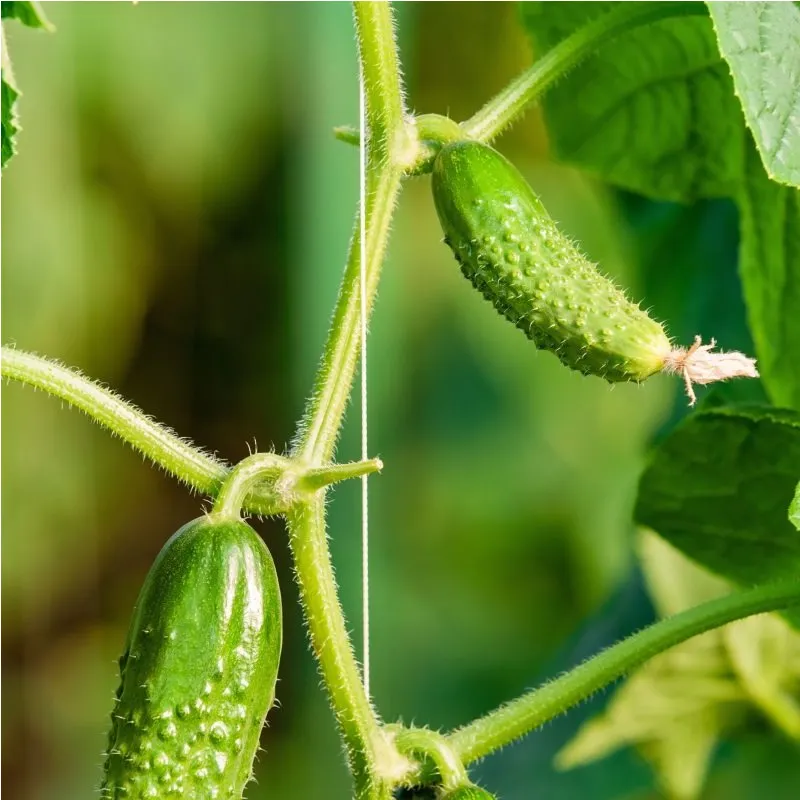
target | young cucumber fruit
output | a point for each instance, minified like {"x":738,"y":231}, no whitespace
{"x":199,"y":669}
{"x":513,"y":253}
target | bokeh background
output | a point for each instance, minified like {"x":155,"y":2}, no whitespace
{"x":175,"y":224}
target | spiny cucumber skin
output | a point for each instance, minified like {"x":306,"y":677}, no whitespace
{"x":513,"y":253}
{"x":199,"y":670}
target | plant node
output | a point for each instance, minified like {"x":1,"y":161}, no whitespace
{"x":434,"y":755}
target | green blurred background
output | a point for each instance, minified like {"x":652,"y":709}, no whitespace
{"x":175,"y":225}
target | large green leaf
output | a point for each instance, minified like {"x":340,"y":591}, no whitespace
{"x":761,"y":43}
{"x":769,"y":263}
{"x":718,"y":487}
{"x":653,"y":111}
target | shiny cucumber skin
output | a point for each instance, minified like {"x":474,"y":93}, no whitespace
{"x":511,"y":250}
{"x":199,"y":669}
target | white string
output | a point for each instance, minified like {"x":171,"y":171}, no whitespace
{"x":364,"y":449}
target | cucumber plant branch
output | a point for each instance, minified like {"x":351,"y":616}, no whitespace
{"x":374,"y":762}
{"x":176,"y":455}
{"x":319,"y":430}
{"x":520,"y":716}
{"x":201,"y":471}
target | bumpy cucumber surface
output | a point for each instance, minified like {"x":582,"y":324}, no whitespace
{"x":199,"y":669}
{"x":513,"y":253}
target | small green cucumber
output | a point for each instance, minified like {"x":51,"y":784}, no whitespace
{"x":199,"y":670}
{"x":513,"y":253}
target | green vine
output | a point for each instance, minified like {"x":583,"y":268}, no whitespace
{"x":533,"y":709}
{"x":176,"y":455}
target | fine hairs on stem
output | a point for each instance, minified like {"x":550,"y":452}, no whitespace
{"x":362,"y":232}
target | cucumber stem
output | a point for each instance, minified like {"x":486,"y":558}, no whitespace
{"x":383,"y":86}
{"x":374,"y":762}
{"x":165,"y":448}
{"x":432,"y":745}
{"x":246,"y":474}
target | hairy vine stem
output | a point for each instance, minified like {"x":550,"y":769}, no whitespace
{"x":425,"y":743}
{"x":520,"y":716}
{"x":178,"y":456}
{"x":374,"y":761}
{"x":243,"y":477}
{"x":174,"y":454}
{"x":319,"y":430}
{"x":384,"y":108}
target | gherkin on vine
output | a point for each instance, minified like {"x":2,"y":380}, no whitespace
{"x":199,"y":670}
{"x":514,"y":254}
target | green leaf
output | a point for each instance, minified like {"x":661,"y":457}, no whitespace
{"x":794,"y":509}
{"x":761,"y":43}
{"x":8,"y":95}
{"x":653,"y":111}
{"x":718,"y":486}
{"x":9,"y":119}
{"x":769,"y":264}
{"x":30,"y":14}
{"x":682,"y":754}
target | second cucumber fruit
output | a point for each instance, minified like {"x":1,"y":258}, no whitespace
{"x":199,"y":670}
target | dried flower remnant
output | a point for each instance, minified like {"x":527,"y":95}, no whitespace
{"x":699,"y":365}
